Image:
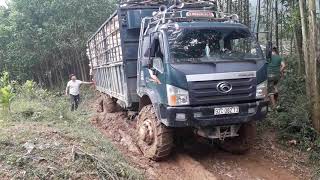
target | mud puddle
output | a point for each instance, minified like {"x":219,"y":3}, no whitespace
{"x":203,"y":161}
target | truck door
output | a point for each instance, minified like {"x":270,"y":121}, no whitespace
{"x":142,"y":62}
{"x":151,"y":76}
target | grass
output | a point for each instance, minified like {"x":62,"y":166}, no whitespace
{"x":41,"y":139}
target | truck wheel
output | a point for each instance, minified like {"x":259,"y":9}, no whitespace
{"x":155,"y":140}
{"x":242,"y":143}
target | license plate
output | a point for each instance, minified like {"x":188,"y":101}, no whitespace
{"x":226,"y":110}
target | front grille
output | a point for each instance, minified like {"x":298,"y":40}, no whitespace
{"x":205,"y":92}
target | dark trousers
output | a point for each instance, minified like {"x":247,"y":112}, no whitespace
{"x":74,"y":100}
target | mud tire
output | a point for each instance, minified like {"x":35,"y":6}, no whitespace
{"x":162,"y":143}
{"x":242,"y":143}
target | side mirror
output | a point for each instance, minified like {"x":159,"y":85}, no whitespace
{"x":158,"y":64}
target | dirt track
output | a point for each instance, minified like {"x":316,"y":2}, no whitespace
{"x":203,"y":161}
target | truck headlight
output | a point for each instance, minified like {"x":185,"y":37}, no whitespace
{"x":262,"y":90}
{"x":177,"y":96}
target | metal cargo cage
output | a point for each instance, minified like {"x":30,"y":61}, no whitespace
{"x":113,"y":52}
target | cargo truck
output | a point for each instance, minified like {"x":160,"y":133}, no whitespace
{"x":182,"y":66}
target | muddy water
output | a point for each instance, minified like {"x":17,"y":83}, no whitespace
{"x":201,"y":161}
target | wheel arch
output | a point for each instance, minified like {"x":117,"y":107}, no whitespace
{"x":150,"y":97}
{"x":144,"y":100}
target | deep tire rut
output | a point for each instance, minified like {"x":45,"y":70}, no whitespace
{"x":202,"y":161}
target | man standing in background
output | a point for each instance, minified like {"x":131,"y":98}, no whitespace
{"x":73,"y":89}
{"x":275,"y":71}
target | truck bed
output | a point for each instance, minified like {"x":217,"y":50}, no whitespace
{"x":113,"y":52}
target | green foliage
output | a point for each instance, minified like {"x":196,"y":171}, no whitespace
{"x":6,"y":96}
{"x":4,"y":79}
{"x":6,"y":91}
{"x":45,"y":39}
{"x":293,"y":120}
{"x":28,"y":88}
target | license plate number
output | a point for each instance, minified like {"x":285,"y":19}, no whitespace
{"x":226,"y":110}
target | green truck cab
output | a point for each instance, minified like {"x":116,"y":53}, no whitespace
{"x":196,"y":69}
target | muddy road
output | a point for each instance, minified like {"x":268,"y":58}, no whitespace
{"x":197,"y":160}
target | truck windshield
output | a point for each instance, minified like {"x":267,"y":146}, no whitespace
{"x":210,"y":45}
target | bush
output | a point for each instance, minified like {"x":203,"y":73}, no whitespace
{"x":293,"y":120}
{"x":4,"y":79}
{"x":28,"y":88}
{"x":6,"y":91}
{"x":6,"y":96}
{"x":36,"y":104}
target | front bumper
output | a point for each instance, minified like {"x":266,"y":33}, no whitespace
{"x":201,"y":116}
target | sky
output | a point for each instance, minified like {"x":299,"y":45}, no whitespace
{"x":2,"y":3}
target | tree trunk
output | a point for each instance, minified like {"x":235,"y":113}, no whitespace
{"x":281,"y":29}
{"x":85,"y":70}
{"x":313,"y":40}
{"x":271,"y":20}
{"x":61,"y":78}
{"x":49,"y":75}
{"x":305,"y":44}
{"x":291,"y":47}
{"x":298,"y":42}
{"x":81,"y":69}
{"x":267,"y":16}
{"x":240,"y":11}
{"x":248,"y":13}
{"x":276,"y":23}
{"x":258,"y":19}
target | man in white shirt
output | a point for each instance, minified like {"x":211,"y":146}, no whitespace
{"x":73,"y":89}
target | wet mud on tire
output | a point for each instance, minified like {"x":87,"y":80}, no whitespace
{"x":154,"y":139}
